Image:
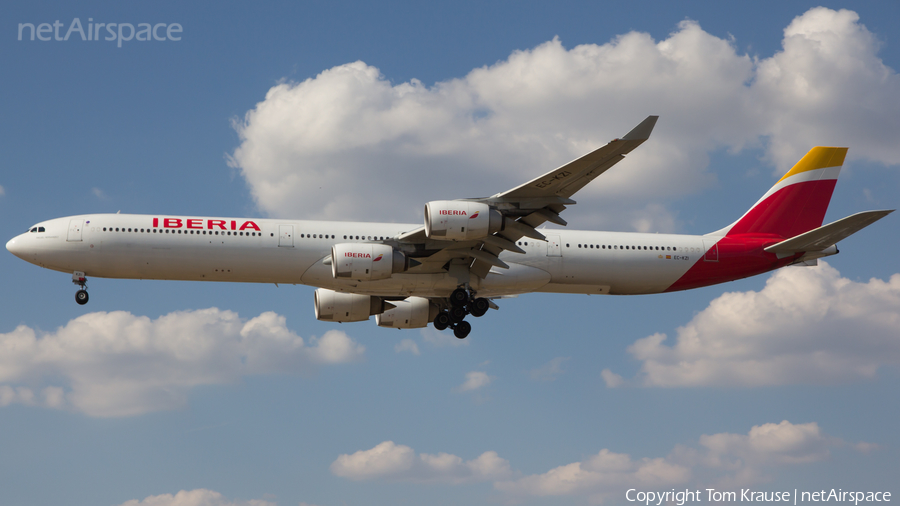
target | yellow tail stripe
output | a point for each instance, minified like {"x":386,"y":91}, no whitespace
{"x":818,"y":158}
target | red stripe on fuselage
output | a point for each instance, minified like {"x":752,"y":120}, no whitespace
{"x":740,"y":256}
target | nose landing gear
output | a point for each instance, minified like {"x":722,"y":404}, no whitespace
{"x":462,"y":303}
{"x":81,"y":296}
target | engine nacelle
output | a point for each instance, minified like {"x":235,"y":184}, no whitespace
{"x":409,"y":313}
{"x":334,"y":306}
{"x":455,"y":220}
{"x":366,"y":261}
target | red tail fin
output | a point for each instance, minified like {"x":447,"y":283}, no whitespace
{"x":798,"y":201}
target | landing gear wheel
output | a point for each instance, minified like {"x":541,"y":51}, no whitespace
{"x":441,"y":321}
{"x":81,"y":297}
{"x":479,"y":307}
{"x":459,"y":297}
{"x":457,"y":314}
{"x":462,"y":330}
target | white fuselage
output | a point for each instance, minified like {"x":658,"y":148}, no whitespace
{"x":292,"y":251}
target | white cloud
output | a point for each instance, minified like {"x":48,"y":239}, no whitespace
{"x":407,"y":345}
{"x":197,"y":497}
{"x":602,"y":472}
{"x":732,"y":459}
{"x":2,"y":191}
{"x":99,"y":193}
{"x":828,"y":74}
{"x":611,"y":379}
{"x":474,"y":381}
{"x":806,"y":326}
{"x":768,"y":444}
{"x":393,"y":462}
{"x":119,"y":364}
{"x":322,"y":148}
{"x":725,"y":458}
{"x":548,"y":371}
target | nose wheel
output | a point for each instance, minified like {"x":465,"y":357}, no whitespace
{"x":462,"y":303}
{"x":81,"y":296}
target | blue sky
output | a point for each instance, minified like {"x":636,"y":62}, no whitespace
{"x":362,"y":111}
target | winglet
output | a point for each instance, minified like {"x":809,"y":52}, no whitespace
{"x":642,"y":131}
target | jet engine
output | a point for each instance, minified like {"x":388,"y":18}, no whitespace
{"x":409,"y":313}
{"x":455,"y":220}
{"x":334,"y":306}
{"x":366,"y":261}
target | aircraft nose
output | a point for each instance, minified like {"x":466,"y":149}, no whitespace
{"x":15,"y":247}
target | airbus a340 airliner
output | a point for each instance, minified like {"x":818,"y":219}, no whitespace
{"x":468,"y":253}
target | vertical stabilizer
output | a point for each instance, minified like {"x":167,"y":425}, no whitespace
{"x":798,"y":201}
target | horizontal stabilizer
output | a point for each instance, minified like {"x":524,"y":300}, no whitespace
{"x":828,"y":235}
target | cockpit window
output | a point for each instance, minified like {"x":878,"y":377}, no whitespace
{"x":42,"y":229}
{"x":33,"y":229}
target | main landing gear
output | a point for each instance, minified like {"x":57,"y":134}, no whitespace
{"x":462,"y":303}
{"x":81,"y":296}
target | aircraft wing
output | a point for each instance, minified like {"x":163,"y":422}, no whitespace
{"x":573,"y":176}
{"x":826,"y":236}
{"x":529,"y":205}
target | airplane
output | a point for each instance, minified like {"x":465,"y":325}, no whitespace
{"x":467,"y":254}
